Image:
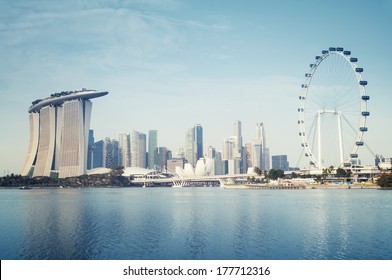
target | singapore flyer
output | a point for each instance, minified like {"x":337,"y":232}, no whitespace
{"x":333,"y":109}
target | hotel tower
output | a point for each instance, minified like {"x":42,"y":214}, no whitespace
{"x":59,"y":130}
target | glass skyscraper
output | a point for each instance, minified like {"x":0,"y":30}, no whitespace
{"x":152,"y":148}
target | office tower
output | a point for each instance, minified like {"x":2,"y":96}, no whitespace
{"x":138,"y":149}
{"x":90,"y":149}
{"x":237,"y":137}
{"x":194,"y":144}
{"x":249,"y":154}
{"x":152,"y":148}
{"x":228,"y":148}
{"x":280,"y":162}
{"x":190,"y":147}
{"x":219,"y":168}
{"x":180,"y":153}
{"x":211,"y":152}
{"x":97,"y":159}
{"x":161,"y":158}
{"x":59,"y":134}
{"x":124,"y":149}
{"x":259,"y":148}
{"x":198,"y":141}
{"x":267,"y":159}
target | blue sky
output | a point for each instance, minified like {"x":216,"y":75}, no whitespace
{"x":171,"y":64}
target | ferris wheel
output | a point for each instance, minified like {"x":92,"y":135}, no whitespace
{"x":333,"y":109}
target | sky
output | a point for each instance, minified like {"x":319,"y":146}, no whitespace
{"x":171,"y":64}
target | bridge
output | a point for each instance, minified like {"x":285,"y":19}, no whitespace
{"x":187,"y":181}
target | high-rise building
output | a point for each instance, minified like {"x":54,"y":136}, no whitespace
{"x":124,"y":150}
{"x":280,"y":162}
{"x":110,"y":153}
{"x":198,"y":141}
{"x":259,"y":148}
{"x":162,"y":157}
{"x":267,"y":159}
{"x":249,"y":154}
{"x":152,"y":148}
{"x":138,"y":149}
{"x":97,"y":158}
{"x":59,"y":134}
{"x":237,"y":137}
{"x":190,"y":146}
{"x":228,"y":148}
{"x":90,"y":149}
{"x":194,"y":144}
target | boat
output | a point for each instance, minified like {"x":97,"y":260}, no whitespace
{"x":25,"y":188}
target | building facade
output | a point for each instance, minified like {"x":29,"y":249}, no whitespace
{"x":280,"y":162}
{"x":152,"y":148}
{"x":59,"y":134}
{"x":138,"y":149}
{"x":124,"y":150}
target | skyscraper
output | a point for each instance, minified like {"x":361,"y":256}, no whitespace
{"x":152,"y":148}
{"x":90,"y":149}
{"x":194,"y":144}
{"x":198,"y":141}
{"x":110,"y":153}
{"x":138,"y":149}
{"x":190,"y":146}
{"x":97,"y":160}
{"x":124,"y":150}
{"x":237,"y":136}
{"x":259,"y":148}
{"x":59,"y":134}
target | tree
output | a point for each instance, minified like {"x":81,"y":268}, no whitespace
{"x":340,"y":172}
{"x":257,"y":171}
{"x":275,"y":174}
{"x":385,"y":180}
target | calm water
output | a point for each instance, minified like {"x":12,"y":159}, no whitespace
{"x":195,"y":223}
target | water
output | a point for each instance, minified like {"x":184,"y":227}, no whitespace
{"x":195,"y":223}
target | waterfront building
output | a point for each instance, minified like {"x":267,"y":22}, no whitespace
{"x":228,"y":148}
{"x":210,"y":153}
{"x":90,"y":149}
{"x":59,"y":134}
{"x":124,"y":149}
{"x":138,"y":149}
{"x":237,"y":138}
{"x":280,"y":162}
{"x":175,"y":162}
{"x":190,"y":146}
{"x":152,"y":148}
{"x":198,"y":141}
{"x":194,"y":144}
{"x":162,"y":157}
{"x":97,"y":158}
{"x":267,"y":159}
{"x":259,"y":148}
{"x":110,"y":153}
{"x":249,"y":154}
{"x":219,"y":166}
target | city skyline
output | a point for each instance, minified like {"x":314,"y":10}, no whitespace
{"x":172,"y":64}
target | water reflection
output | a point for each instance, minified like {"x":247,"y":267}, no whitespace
{"x":195,"y":223}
